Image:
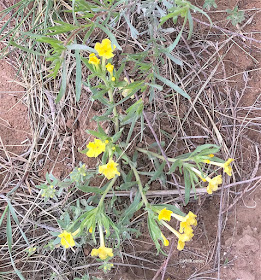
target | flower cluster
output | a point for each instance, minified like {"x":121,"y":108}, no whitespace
{"x":97,"y":147}
{"x":185,"y":231}
{"x":214,"y":182}
{"x":105,"y":51}
{"x":48,"y":192}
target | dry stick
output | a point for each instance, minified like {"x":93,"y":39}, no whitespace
{"x":219,"y":231}
{"x":171,"y":192}
{"x":165,"y":263}
{"x":227,"y":31}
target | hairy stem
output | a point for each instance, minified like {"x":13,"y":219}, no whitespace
{"x":107,"y":190}
{"x":116,"y":119}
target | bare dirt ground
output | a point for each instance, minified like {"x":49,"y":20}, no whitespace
{"x":240,"y":248}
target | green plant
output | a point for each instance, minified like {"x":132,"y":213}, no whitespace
{"x":117,"y":167}
{"x":235,"y":16}
{"x":209,"y":3}
{"x":122,"y":98}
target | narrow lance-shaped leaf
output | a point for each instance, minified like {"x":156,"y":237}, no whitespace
{"x":172,"y":85}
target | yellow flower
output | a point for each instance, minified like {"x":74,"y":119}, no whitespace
{"x":186,"y":222}
{"x":213,"y":184}
{"x":102,"y":252}
{"x":90,"y":230}
{"x":109,"y":170}
{"x":165,"y":240}
{"x":113,"y":79}
{"x":109,"y":68}
{"x":66,"y":239}
{"x":104,"y":49}
{"x":95,"y":148}
{"x":93,"y":59}
{"x":226,"y":165}
{"x":181,"y":245}
{"x":165,"y":214}
{"x":182,"y":238}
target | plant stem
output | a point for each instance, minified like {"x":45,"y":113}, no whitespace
{"x":116,"y":120}
{"x":107,"y":190}
{"x":137,"y":176}
{"x":170,"y":228}
{"x":101,"y":236}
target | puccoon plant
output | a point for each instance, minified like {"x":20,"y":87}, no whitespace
{"x":106,"y":226}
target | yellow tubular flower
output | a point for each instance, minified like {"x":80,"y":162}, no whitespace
{"x":95,"y":148}
{"x":104,"y":49}
{"x":109,"y":170}
{"x":187,"y":221}
{"x":90,"y":230}
{"x":165,"y":240}
{"x":66,"y":239}
{"x":213,"y":184}
{"x":165,"y":214}
{"x":182,"y":238}
{"x":93,"y":59}
{"x":110,"y":68}
{"x":103,"y":252}
{"x":181,"y":245}
{"x":226,"y":165}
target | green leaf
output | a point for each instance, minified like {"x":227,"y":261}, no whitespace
{"x":205,"y":149}
{"x":176,"y":41}
{"x":170,"y":207}
{"x":174,"y":59}
{"x":172,"y":85}
{"x":177,"y":163}
{"x":187,"y":185}
{"x":80,"y":47}
{"x":110,"y":35}
{"x":62,"y":28}
{"x":133,"y":30}
{"x":78,"y":81}
{"x":63,"y":84}
{"x":209,"y":3}
{"x":129,"y":212}
{"x":10,"y":242}
{"x":154,"y":231}
{"x":235,"y":16}
{"x":158,"y":172}
{"x":176,"y":13}
{"x":97,"y":134}
{"x":12,"y":43}
{"x":88,"y":189}
{"x":117,"y":136}
{"x":190,"y":20}
{"x":3,"y":215}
